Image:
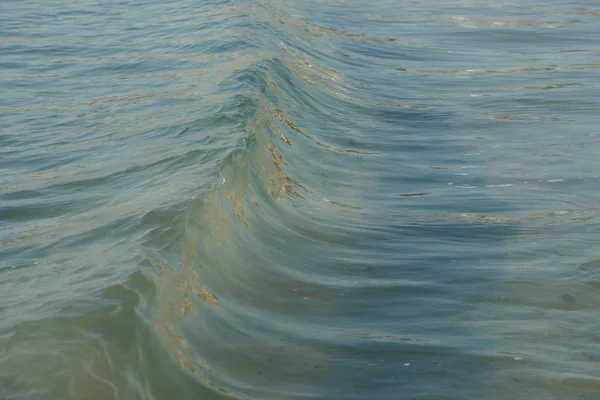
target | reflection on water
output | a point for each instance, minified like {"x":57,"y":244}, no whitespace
{"x":270,"y":199}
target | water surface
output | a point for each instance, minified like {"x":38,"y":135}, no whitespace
{"x":285,"y":199}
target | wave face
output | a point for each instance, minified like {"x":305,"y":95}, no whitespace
{"x":285,"y":199}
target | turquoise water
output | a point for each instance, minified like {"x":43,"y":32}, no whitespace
{"x":285,"y":199}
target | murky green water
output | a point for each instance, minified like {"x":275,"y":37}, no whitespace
{"x":285,"y":199}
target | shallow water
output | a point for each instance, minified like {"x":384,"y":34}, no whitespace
{"x":285,"y":199}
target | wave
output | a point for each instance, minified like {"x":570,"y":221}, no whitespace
{"x":260,"y":287}
{"x":294,"y":213}
{"x":248,"y":282}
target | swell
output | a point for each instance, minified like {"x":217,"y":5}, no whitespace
{"x":245,"y":295}
{"x":261,"y":282}
{"x":252,"y":272}
{"x":272,"y":283}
